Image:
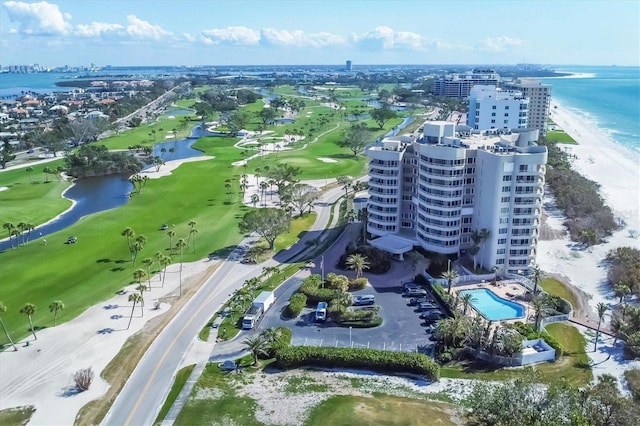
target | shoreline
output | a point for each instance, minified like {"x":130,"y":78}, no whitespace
{"x":614,"y":167}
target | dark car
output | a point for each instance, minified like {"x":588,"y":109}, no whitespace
{"x":72,"y":240}
{"x":432,"y":314}
{"x":417,"y":300}
{"x":426,"y":306}
{"x":164,"y":227}
{"x":409,"y":285}
{"x":31,"y":151}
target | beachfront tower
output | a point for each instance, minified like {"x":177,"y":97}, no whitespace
{"x":348,"y":66}
{"x":491,"y":108}
{"x":459,"y":85}
{"x":539,"y":98}
{"x":434,"y":192}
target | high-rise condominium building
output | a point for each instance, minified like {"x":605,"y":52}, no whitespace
{"x":539,"y":98}
{"x":459,"y":85}
{"x":491,"y":108}
{"x":435,"y":192}
{"x":348,"y":66}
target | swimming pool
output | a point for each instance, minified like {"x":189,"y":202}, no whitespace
{"x":493,"y":307}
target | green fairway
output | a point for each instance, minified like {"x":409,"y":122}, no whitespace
{"x":379,"y":410}
{"x":149,"y":134}
{"x":29,"y":198}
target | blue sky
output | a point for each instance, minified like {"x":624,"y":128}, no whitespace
{"x":179,"y":32}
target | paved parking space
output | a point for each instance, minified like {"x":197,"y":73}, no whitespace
{"x":401,"y":330}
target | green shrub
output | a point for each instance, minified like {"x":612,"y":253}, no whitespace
{"x":337,"y":282}
{"x":310,"y":287}
{"x":373,"y":359}
{"x":283,"y":341}
{"x":379,"y":261}
{"x":377,"y":321}
{"x":559,"y":304}
{"x":296,"y":304}
{"x":358,"y":284}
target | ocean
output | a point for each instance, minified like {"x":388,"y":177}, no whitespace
{"x":607,"y":96}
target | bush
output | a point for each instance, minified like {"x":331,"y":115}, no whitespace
{"x":358,"y":284}
{"x":377,"y":321}
{"x":379,"y":261}
{"x":83,"y":379}
{"x":559,"y":304}
{"x":373,"y":359}
{"x":337,"y":282}
{"x":296,"y":304}
{"x":311,"y":288}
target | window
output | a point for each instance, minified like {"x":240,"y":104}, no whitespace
{"x":494,"y":107}
{"x":506,"y":114}
{"x":492,"y":122}
{"x":506,"y":178}
{"x":504,"y":220}
{"x":504,"y":210}
{"x":493,"y":114}
{"x":523,"y":168}
{"x":501,"y":251}
{"x":502,"y":231}
{"x":502,"y":241}
{"x":499,"y":261}
{"x":505,"y":199}
{"x":506,"y":189}
{"x":506,"y":107}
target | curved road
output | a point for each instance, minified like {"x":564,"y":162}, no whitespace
{"x":142,"y":396}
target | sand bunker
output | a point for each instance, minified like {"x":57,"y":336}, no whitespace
{"x":327,"y":160}
{"x":3,"y":188}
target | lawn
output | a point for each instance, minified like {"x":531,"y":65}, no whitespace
{"x":29,"y":198}
{"x":181,"y":378}
{"x":144,"y":135}
{"x":16,"y":416}
{"x":40,"y":274}
{"x":299,"y":225}
{"x":214,"y":401}
{"x":561,"y":136}
{"x":379,"y":410}
{"x":573,"y":365}
{"x":557,"y":288}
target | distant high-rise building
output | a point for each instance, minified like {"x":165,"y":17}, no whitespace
{"x":437,"y":191}
{"x":491,"y":108}
{"x":348,"y":66}
{"x":539,"y":98}
{"x":459,"y":85}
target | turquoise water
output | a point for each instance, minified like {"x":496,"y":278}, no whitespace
{"x":492,"y":307}
{"x":608,"y":96}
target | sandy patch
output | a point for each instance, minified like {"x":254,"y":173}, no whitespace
{"x":285,"y":398}
{"x":327,"y":160}
{"x":3,"y":188}
{"x":41,"y":374}
{"x":169,"y":166}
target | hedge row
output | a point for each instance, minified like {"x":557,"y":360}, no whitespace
{"x":357,"y":284}
{"x":281,"y":343}
{"x":371,"y":359}
{"x":296,"y":304}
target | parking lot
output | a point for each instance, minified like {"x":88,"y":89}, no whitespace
{"x":401,"y":330}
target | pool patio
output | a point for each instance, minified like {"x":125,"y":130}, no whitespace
{"x":510,"y":290}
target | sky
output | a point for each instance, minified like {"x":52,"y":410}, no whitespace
{"x":309,"y":32}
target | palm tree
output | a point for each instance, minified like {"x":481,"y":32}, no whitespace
{"x":536,"y":274}
{"x":47,"y":171}
{"x":358,"y":263}
{"x":181,"y":244}
{"x":254,"y":199}
{"x":9,"y":227}
{"x":29,"y":310}
{"x":3,"y":309}
{"x":30,"y":171}
{"x":138,"y":276}
{"x":171,"y":234}
{"x":138,"y":245}
{"x":602,"y":309}
{"x":54,"y":307}
{"x":165,"y":261}
{"x":130,"y":234}
{"x":621,"y":290}
{"x":192,"y":224}
{"x":135,"y":298}
{"x":193,"y":232}
{"x":257,"y":345}
{"x":271,"y":335}
{"x":541,"y":306}
{"x":148,"y":262}
{"x":466,"y":299}
{"x":346,"y":183}
{"x":449,"y":275}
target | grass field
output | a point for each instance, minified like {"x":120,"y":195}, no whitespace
{"x":557,"y":288}
{"x":16,"y":416}
{"x":573,"y":365}
{"x":379,"y":410}
{"x":29,"y":198}
{"x":181,"y":378}
{"x":561,"y":137}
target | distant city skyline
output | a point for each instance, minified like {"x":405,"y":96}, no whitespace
{"x":120,"y":33}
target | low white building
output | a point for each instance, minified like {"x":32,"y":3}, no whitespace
{"x":492,"y":108}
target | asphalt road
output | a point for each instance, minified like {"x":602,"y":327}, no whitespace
{"x":142,"y":396}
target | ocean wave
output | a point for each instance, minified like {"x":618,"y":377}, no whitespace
{"x":577,"y":75}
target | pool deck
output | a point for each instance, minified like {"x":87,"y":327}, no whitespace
{"x":508,"y":290}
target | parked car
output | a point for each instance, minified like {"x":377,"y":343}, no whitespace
{"x":72,"y":240}
{"x":431,"y":327}
{"x":164,"y":227}
{"x":409,"y":285}
{"x":411,"y":292}
{"x":31,"y":151}
{"x":417,"y":300}
{"x":424,"y":306}
{"x":432,"y":314}
{"x":227,"y":365}
{"x":364,"y":299}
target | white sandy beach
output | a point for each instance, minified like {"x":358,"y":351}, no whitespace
{"x":617,"y":170}
{"x":41,"y":374}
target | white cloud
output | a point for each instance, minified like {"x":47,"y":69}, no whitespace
{"x":385,"y":38}
{"x":144,"y":29}
{"x":188,"y":37}
{"x":499,"y":44}
{"x":274,"y":37}
{"x":38,"y":18}
{"x":230,"y":35}
{"x":97,"y":29}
